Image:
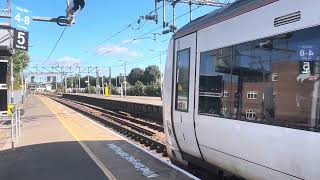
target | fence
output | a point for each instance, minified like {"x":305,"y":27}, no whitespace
{"x":14,"y":126}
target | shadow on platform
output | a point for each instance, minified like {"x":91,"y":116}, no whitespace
{"x":68,"y":161}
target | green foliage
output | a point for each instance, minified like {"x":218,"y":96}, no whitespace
{"x":20,"y":62}
{"x":135,"y":75}
{"x":90,"y":90}
{"x":137,"y":89}
{"x":151,"y":74}
{"x":153,"y":89}
{"x":114,"y":90}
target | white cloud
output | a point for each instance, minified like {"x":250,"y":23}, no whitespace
{"x":65,"y":61}
{"x":114,"y":50}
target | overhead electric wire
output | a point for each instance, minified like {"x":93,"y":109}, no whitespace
{"x":139,"y":37}
{"x":55,"y":46}
{"x":116,"y":34}
{"x":126,"y":27}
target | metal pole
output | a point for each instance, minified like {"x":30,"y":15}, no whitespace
{"x":109,"y":75}
{"x":156,"y":10}
{"x":89,"y":89}
{"x":25,"y":86}
{"x":16,"y":123}
{"x":102,"y":84}
{"x":56,"y":83}
{"x":22,"y":88}
{"x":174,"y":14}
{"x":19,"y":121}
{"x":79,"y":80}
{"x":66,"y":83}
{"x":125,"y":79}
{"x":62,"y":81}
{"x":12,"y":133}
{"x":164,"y":13}
{"x":12,"y":79}
{"x":97,"y":81}
{"x":190,"y":10}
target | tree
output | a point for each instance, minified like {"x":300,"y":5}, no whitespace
{"x":138,"y":89}
{"x":135,"y":75}
{"x":20,"y":62}
{"x":151,"y":74}
{"x":153,"y":89}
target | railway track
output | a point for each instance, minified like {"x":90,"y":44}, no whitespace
{"x":144,"y":132}
{"x":122,"y":115}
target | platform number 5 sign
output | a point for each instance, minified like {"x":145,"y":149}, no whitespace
{"x":21,"y":40}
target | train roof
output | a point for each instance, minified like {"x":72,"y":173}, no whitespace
{"x":222,"y":14}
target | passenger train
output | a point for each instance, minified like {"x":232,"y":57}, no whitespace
{"x":242,"y":90}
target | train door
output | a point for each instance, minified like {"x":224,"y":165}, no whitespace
{"x":183,"y":109}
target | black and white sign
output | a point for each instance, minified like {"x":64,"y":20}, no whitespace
{"x":21,"y":40}
{"x":306,"y":67}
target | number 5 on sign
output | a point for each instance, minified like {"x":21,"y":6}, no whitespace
{"x":21,"y":40}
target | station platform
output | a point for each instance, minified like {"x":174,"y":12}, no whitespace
{"x":156,"y":101}
{"x":146,"y":107}
{"x":58,"y":143}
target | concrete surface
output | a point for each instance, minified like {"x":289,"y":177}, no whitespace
{"x":58,"y":143}
{"x":135,"y":99}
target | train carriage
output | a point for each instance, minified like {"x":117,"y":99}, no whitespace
{"x":242,"y":90}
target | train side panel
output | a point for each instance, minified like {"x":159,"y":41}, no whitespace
{"x":251,"y":150}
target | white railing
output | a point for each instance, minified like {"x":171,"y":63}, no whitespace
{"x":14,"y":126}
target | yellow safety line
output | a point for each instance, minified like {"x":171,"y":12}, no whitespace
{"x":84,"y":146}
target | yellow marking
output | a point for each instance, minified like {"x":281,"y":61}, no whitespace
{"x":83,"y":145}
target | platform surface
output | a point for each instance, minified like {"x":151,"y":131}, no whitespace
{"x":58,"y":143}
{"x":134,"y":99}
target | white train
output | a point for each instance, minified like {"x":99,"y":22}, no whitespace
{"x":242,"y":90}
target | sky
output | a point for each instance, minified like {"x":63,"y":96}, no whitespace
{"x":88,"y":42}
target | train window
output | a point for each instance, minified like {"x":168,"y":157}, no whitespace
{"x":182,"y":81}
{"x":214,"y":84}
{"x":276,"y":80}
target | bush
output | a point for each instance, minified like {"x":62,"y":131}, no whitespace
{"x":154,"y":89}
{"x":113,"y":90}
{"x":138,"y":89}
{"x":90,"y":90}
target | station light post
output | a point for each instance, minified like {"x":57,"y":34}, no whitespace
{"x":79,"y":88}
{"x":125,"y":77}
{"x":160,"y":68}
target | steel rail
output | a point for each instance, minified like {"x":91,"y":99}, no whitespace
{"x":133,"y":133}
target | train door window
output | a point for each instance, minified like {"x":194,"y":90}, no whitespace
{"x":182,"y":81}
{"x":215,"y":82}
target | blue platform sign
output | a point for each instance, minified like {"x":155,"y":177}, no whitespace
{"x":21,"y":16}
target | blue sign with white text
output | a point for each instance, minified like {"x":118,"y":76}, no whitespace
{"x":21,"y":16}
